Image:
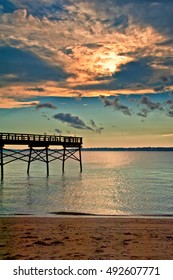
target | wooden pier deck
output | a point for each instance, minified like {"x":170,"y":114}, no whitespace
{"x":70,"y":145}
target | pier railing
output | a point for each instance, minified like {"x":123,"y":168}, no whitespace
{"x":18,"y":137}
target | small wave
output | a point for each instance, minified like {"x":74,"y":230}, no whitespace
{"x":66,"y":213}
{"x":73,"y":213}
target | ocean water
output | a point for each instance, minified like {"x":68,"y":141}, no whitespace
{"x":112,"y":183}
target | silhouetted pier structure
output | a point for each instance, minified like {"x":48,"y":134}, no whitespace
{"x":38,"y":149}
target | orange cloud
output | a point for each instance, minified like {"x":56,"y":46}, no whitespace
{"x":89,"y":50}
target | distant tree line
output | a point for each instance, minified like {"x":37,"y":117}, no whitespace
{"x":147,"y":149}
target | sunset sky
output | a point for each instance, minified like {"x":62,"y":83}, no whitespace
{"x":101,"y":69}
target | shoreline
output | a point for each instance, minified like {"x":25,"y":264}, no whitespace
{"x":86,"y":238}
{"x":87,"y":215}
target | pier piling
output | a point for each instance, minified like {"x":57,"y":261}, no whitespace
{"x":2,"y":164}
{"x":29,"y":160}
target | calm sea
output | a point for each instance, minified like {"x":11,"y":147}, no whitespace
{"x":112,"y":183}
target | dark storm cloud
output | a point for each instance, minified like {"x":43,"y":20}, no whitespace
{"x":26,"y":67}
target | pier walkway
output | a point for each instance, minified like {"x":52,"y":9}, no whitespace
{"x":39,"y":149}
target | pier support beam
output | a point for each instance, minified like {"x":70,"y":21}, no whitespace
{"x":47,"y":161}
{"x":29,"y":160}
{"x":2,"y":163}
{"x":63,"y":159}
{"x":80,"y":159}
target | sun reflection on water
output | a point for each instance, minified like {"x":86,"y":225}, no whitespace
{"x":112,"y":183}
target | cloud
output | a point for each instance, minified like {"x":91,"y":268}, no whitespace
{"x":93,"y":124}
{"x":166,"y":42}
{"x":24,"y":66}
{"x":145,"y":100}
{"x":120,"y":23}
{"x":140,"y":71}
{"x":164,"y":79}
{"x":170,"y":103}
{"x":46,"y":117}
{"x":78,"y":96}
{"x":89,"y":46}
{"x":115,"y":104}
{"x":8,"y":103}
{"x":95,"y":127}
{"x":7,"y":6}
{"x":73,"y":121}
{"x":170,"y":109}
{"x":141,"y":74}
{"x":142,"y":105}
{"x":57,"y":130}
{"x":39,"y":89}
{"x":47,"y":105}
{"x":76,"y":122}
{"x":42,"y":8}
{"x":93,"y":45}
{"x":170,"y":113}
{"x":143,"y":113}
{"x":99,"y":130}
{"x":168,"y":135}
{"x":159,"y":88}
{"x":166,"y":106}
{"x":157,"y":14}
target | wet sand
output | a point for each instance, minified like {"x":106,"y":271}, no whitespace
{"x":89,"y":238}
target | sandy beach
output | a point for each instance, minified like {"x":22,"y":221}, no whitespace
{"x":89,"y":238}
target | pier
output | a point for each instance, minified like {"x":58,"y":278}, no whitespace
{"x":39,"y":149}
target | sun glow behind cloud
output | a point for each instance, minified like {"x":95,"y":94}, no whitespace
{"x":89,"y":43}
{"x":108,"y":62}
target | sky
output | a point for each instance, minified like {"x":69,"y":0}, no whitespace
{"x":100,"y":69}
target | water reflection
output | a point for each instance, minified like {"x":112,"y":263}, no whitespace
{"x":111,"y":183}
